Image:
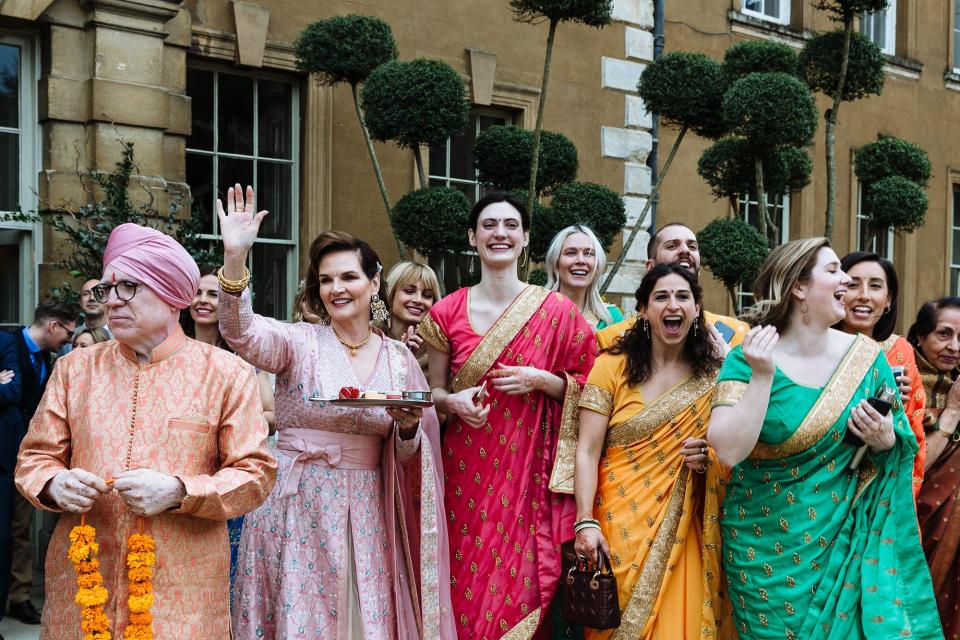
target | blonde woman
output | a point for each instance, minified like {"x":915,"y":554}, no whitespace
{"x":574,"y":263}
{"x":412,"y":290}
{"x":812,"y":549}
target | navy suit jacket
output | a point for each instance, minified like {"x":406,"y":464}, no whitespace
{"x":12,"y":426}
{"x":31,"y":388}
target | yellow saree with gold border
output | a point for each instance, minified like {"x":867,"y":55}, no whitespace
{"x":660,"y":519}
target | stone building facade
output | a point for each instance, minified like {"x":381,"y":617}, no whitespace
{"x":209,"y":94}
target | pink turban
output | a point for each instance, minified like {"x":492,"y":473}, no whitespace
{"x":156,"y":260}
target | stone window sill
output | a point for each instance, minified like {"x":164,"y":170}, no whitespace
{"x":951,"y":79}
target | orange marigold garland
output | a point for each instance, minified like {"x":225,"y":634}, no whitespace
{"x":91,"y":594}
{"x":140,"y":560}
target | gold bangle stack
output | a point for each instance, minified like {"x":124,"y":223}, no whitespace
{"x":235,"y":287}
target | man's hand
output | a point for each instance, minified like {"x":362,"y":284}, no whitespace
{"x":148,"y":492}
{"x":6,"y":376}
{"x":74,"y":490}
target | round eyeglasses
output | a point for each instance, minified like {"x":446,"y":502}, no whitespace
{"x":125,"y":291}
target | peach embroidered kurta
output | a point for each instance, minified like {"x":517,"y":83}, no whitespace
{"x":194,"y":412}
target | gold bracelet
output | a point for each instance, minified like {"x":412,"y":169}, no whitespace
{"x":951,"y":437}
{"x":233,"y":286}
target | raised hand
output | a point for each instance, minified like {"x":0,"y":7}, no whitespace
{"x":758,"y":349}
{"x":239,"y":224}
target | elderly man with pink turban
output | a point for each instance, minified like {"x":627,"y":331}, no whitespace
{"x":151,"y":429}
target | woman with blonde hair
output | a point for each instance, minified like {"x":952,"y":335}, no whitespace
{"x":817,"y":543}
{"x":89,"y":337}
{"x":575,"y":261}
{"x":412,"y":290}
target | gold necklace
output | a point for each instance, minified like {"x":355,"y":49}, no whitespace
{"x":353,"y":347}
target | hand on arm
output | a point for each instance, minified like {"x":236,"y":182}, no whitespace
{"x":734,"y":431}
{"x":593,"y":429}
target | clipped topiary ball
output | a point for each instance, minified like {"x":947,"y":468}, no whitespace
{"x":593,"y":205}
{"x":896,"y":202}
{"x":345,"y":48}
{"x":892,"y":157}
{"x":728,"y":168}
{"x":685,"y":90}
{"x":732,"y":250}
{"x":593,"y":13}
{"x":770,"y":110}
{"x":753,"y":56}
{"x":850,"y":8}
{"x":820,"y":61}
{"x":433,"y":220}
{"x":416,"y":102}
{"x":538,"y":277}
{"x":501,"y":156}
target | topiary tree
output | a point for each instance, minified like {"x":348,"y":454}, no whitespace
{"x":501,"y":156}
{"x":831,"y":77}
{"x":593,"y":13}
{"x":585,"y":203}
{"x":728,"y":168}
{"x":769,"y":110}
{"x":413,"y":103}
{"x":733,"y":251}
{"x":432,"y":220}
{"x":685,"y":90}
{"x":751,"y":56}
{"x":347,"y":49}
{"x":893,"y":174}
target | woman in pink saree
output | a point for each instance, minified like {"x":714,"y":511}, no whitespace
{"x":507,"y":362}
{"x":352,"y":541}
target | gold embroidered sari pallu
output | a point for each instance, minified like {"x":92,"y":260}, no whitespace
{"x":660,"y":518}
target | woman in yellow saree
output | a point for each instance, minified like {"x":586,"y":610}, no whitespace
{"x":647,"y":491}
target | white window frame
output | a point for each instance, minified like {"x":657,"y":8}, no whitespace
{"x":955,"y":54}
{"x":745,"y":298}
{"x":889,"y":16}
{"x":448,"y":181}
{"x":784,"y":12}
{"x":30,"y":234}
{"x":293,"y":244}
{"x":954,"y":228}
{"x":888,"y":254}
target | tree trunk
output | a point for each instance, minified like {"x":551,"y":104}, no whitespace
{"x":421,"y":170}
{"x":376,"y":169}
{"x":733,"y":299}
{"x":830,"y":132}
{"x":761,"y":196}
{"x":535,"y":150}
{"x":654,"y":192}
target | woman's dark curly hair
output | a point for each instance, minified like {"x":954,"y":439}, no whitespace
{"x":698,"y":350}
{"x":927,"y":318}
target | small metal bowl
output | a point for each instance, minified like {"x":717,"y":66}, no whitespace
{"x":417,"y":395}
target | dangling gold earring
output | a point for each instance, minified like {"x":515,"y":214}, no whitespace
{"x":471,"y":266}
{"x":526,"y":257}
{"x":378,"y":309}
{"x":695,"y":327}
{"x":805,"y":311}
{"x":646,"y":327}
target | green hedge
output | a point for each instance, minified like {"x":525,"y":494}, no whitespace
{"x":501,"y":156}
{"x":593,"y":13}
{"x":345,"y":48}
{"x":896,"y":202}
{"x":892,"y":157}
{"x":821,"y":59}
{"x":758,"y":56}
{"x":728,"y":168}
{"x":732,"y":250}
{"x":771,"y":109}
{"x":685,"y":90}
{"x":433,"y":220}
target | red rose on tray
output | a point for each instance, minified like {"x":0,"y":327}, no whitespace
{"x":349,"y":393}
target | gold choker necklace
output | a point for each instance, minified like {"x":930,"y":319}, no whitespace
{"x":353,"y":347}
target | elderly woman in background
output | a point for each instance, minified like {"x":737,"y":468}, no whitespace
{"x":352,"y":542}
{"x":871,"y":309}
{"x":507,"y":361}
{"x":810,"y":549}
{"x":643,"y":418}
{"x":575,"y":262}
{"x":935,"y":337}
{"x":412,"y":289}
{"x":89,"y":337}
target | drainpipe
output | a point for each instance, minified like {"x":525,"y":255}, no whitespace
{"x":658,"y":39}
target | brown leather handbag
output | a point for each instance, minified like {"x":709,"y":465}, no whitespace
{"x":590,"y":596}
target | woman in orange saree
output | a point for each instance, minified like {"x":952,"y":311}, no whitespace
{"x":648,"y":491}
{"x":507,"y":361}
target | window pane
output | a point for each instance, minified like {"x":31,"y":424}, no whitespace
{"x":270,"y":295}
{"x":955,"y":258}
{"x":232,"y":171}
{"x":438,"y":159}
{"x":10,"y":277}
{"x":235,"y":114}
{"x":200,"y":90}
{"x":273,"y":194}
{"x":274,"y":116}
{"x":954,"y":282}
{"x":773,"y":8}
{"x":487,"y":121}
{"x":461,"y":154}
{"x":753,"y":5}
{"x":200,"y":179}
{"x":9,"y":86}
{"x":956,"y":34}
{"x":9,"y":171}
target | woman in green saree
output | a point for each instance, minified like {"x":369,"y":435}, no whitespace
{"x":811,"y":547}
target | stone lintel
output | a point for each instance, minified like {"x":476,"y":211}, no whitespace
{"x":130,"y":104}
{"x":148,"y":17}
{"x":252,"y":22}
{"x":483,"y":71}
{"x":24,"y":9}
